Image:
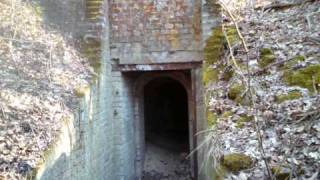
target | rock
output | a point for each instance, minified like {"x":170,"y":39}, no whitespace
{"x":236,"y":162}
{"x":23,"y":168}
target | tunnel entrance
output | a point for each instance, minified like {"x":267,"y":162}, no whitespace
{"x":165,"y":106}
{"x":166,"y":130}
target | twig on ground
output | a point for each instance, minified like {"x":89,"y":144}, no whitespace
{"x":278,"y":5}
{"x":2,"y":111}
{"x":259,"y":72}
{"x":314,"y":40}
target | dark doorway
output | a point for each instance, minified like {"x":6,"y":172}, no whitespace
{"x":166,"y":130}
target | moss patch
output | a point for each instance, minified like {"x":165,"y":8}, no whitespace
{"x":210,"y":75}
{"x":92,"y":50}
{"x":280,"y":173}
{"x":212,"y":118}
{"x":243,"y":120}
{"x":227,"y":74}
{"x":266,"y":57}
{"x":294,"y":61}
{"x":232,"y":34}
{"x":214,"y":46}
{"x":235,"y":93}
{"x":212,"y":53}
{"x":236,"y":162}
{"x":81,"y":91}
{"x":305,"y":77}
{"x":227,"y":114}
{"x":290,"y":96}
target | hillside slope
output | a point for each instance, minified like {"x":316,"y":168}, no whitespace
{"x":39,"y":71}
{"x":265,"y":103}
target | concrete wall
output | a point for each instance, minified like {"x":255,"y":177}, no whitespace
{"x":87,"y":146}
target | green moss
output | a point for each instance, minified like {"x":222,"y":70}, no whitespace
{"x":92,"y":51}
{"x":236,"y":162}
{"x":214,"y":46}
{"x":235,"y":93}
{"x":299,"y":58}
{"x":232,"y":34}
{"x":81,"y":91}
{"x":210,"y":75}
{"x":243,"y":120}
{"x":212,"y":53}
{"x":212,"y":118}
{"x":280,"y":173}
{"x":215,"y":7}
{"x":227,"y":114}
{"x":294,"y":61}
{"x":305,"y":77}
{"x":265,"y":51}
{"x":266,"y":57}
{"x":227,"y":74}
{"x":290,"y":96}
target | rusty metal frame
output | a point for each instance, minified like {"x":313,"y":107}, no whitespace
{"x":155,"y":67}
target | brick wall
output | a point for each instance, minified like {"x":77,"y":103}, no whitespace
{"x":159,"y":31}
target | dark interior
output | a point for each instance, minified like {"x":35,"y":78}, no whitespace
{"x":166,"y":114}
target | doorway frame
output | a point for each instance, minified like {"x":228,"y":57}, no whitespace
{"x":185,"y":79}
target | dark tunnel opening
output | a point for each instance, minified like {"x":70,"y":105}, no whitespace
{"x":166,"y":114}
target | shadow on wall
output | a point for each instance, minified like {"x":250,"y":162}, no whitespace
{"x":57,"y":168}
{"x":64,"y":16}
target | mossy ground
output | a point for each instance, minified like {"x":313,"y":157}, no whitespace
{"x":266,"y":57}
{"x":214,"y":67}
{"x":308,"y":77}
{"x":279,"y":173}
{"x":212,"y":118}
{"x":227,"y":114}
{"x":237,"y":93}
{"x":294,"y":61}
{"x":290,"y":96}
{"x":243,"y":120}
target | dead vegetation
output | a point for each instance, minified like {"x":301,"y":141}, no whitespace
{"x":276,"y":138}
{"x":39,"y":70}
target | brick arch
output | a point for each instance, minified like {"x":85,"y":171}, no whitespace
{"x":138,"y":94}
{"x":148,"y":77}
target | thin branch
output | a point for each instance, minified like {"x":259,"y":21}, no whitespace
{"x":250,"y":89}
{"x":236,"y":25}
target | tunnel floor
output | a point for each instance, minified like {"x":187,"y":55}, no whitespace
{"x":163,"y":164}
{"x":166,"y":131}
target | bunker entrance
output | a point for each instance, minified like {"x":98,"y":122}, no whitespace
{"x":166,"y":130}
